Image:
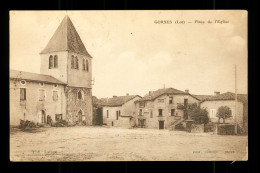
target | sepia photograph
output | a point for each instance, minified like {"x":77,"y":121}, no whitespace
{"x":132,"y":85}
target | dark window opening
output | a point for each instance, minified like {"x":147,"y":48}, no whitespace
{"x":170,"y":100}
{"x":151,"y":114}
{"x":80,"y":95}
{"x":72,"y":62}
{"x":22,"y":93}
{"x":107,"y":114}
{"x":76,"y":63}
{"x":55,"y":61}
{"x":160,"y":112}
{"x":50,"y":62}
{"x":172,"y":112}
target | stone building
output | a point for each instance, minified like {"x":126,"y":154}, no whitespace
{"x":162,"y":109}
{"x":213,"y":102}
{"x":65,"y":61}
{"x":118,"y":111}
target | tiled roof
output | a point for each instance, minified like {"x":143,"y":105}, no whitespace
{"x":154,"y":94}
{"x":66,"y":38}
{"x":14,"y":74}
{"x":114,"y":101}
{"x":203,"y":97}
{"x":226,"y":96}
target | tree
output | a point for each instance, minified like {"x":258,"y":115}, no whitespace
{"x":197,"y":114}
{"x":224,"y":112}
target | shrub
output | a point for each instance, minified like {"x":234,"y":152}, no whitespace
{"x":197,"y":114}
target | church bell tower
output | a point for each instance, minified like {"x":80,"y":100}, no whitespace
{"x":66,"y":58}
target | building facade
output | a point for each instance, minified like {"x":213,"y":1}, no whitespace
{"x":119,"y":111}
{"x":65,"y":60}
{"x":162,"y":109}
{"x":239,"y":110}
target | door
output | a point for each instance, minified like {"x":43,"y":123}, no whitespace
{"x":80,"y":116}
{"x":161,"y":124}
{"x":42,"y":117}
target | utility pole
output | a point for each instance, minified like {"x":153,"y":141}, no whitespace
{"x":235,"y":99}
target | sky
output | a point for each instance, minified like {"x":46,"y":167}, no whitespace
{"x":133,"y":54}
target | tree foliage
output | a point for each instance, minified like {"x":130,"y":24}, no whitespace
{"x":224,"y":112}
{"x":197,"y":114}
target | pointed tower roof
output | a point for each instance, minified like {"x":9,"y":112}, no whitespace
{"x":66,"y":38}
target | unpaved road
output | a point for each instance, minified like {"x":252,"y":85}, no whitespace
{"x":115,"y":144}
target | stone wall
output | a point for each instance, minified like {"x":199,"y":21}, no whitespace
{"x":75,"y":105}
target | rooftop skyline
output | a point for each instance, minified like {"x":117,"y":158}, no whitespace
{"x":131,"y":54}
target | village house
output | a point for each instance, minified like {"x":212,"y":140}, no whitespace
{"x":118,"y":111}
{"x":163,"y":108}
{"x":63,"y":88}
{"x":213,"y":102}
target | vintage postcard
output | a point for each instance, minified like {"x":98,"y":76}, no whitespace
{"x":157,"y":85}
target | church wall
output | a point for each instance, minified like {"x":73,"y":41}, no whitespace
{"x":59,"y":73}
{"x":74,"y":105}
{"x":79,"y":77}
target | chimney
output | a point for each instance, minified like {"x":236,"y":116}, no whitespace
{"x":127,"y":94}
{"x":114,"y":96}
{"x":216,"y":93}
{"x":187,"y":91}
{"x":150,"y":92}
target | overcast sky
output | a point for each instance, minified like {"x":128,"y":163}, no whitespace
{"x":131,"y":54}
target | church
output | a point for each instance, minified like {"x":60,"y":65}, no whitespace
{"x":62,"y":90}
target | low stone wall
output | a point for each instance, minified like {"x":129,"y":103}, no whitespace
{"x":197,"y":128}
{"x":225,"y":129}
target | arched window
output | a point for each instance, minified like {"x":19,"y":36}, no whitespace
{"x":72,"y":61}
{"x":50,"y":62}
{"x":55,"y":61}
{"x":80,"y":95}
{"x":76,"y":63}
{"x":86,"y":65}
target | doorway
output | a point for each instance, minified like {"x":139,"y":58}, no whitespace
{"x":79,"y":117}
{"x":161,"y":124}
{"x":42,"y":117}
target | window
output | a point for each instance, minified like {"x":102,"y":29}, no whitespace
{"x":161,"y":100}
{"x":76,"y":63}
{"x":107,"y":114}
{"x":55,"y":95}
{"x":41,"y":84}
{"x":72,"y":62}
{"x":117,"y":114}
{"x":55,"y":85}
{"x":50,"y":62}
{"x":151,"y":114}
{"x":22,"y":94}
{"x":80,"y":95}
{"x":55,"y":61}
{"x":141,"y":104}
{"x":140,"y":112}
{"x":160,"y":112}
{"x":212,"y":113}
{"x":172,"y":112}
{"x":170,"y":100}
{"x":58,"y":117}
{"x":42,"y":95}
{"x":84,"y":64}
{"x":23,"y":82}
